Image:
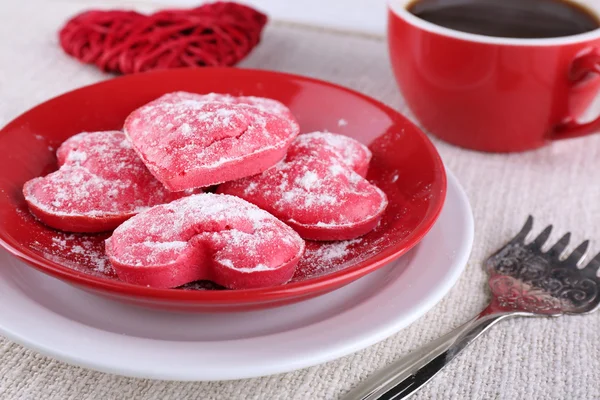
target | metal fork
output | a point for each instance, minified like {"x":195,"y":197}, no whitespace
{"x":525,"y":281}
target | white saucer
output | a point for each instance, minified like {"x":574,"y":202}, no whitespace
{"x":60,"y":321}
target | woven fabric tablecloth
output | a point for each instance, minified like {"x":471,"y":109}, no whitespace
{"x":521,"y":358}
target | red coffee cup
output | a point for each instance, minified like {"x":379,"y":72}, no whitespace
{"x":491,"y":93}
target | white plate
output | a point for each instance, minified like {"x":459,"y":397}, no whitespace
{"x":66,"y":323}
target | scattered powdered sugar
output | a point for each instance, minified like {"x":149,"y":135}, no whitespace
{"x":308,"y":180}
{"x":59,"y":243}
{"x":306,"y":192}
{"x":321,"y":258}
{"x":88,"y":252}
{"x":342,"y":122}
{"x":84,"y":253}
{"x":42,"y":138}
{"x":333,"y":251}
{"x":422,"y":192}
{"x":185,"y":130}
{"x":76,"y":156}
{"x":395,"y":177}
{"x":250,"y":188}
{"x":336,"y":169}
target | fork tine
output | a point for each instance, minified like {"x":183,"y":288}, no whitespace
{"x":578,"y":255}
{"x":522,"y":235}
{"x":560,"y":246}
{"x":539,"y":241}
{"x":594,"y":264}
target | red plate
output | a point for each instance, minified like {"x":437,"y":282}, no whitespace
{"x":405,"y":165}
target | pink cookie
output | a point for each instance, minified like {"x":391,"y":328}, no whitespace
{"x":319,"y":190}
{"x":208,"y":236}
{"x":101,"y":182}
{"x":189,"y":140}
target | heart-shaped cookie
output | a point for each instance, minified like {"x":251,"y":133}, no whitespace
{"x":100,"y":183}
{"x":206,"y":236}
{"x":319,"y":189}
{"x":189,"y":140}
{"x":214,"y":34}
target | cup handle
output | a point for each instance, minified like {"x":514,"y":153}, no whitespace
{"x":569,"y":127}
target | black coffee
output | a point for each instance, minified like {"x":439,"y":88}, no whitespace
{"x":508,"y":18}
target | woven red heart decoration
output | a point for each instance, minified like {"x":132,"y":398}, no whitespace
{"x":214,"y":34}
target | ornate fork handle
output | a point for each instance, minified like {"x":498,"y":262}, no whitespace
{"x":407,"y":375}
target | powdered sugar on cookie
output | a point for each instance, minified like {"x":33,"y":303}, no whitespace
{"x":189,"y":140}
{"x":214,"y":237}
{"x":319,"y":189}
{"x":267,"y":105}
{"x":100,"y":183}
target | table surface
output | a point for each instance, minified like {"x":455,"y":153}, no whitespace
{"x":521,"y":358}
{"x":366,"y":16}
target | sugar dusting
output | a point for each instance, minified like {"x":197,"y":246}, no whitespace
{"x":322,"y":258}
{"x":180,"y":133}
{"x":330,"y":252}
{"x":318,"y":184}
{"x":99,"y":176}
{"x":83,"y":253}
{"x":85,"y":249}
{"x":242,"y":236}
{"x":268,"y":105}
